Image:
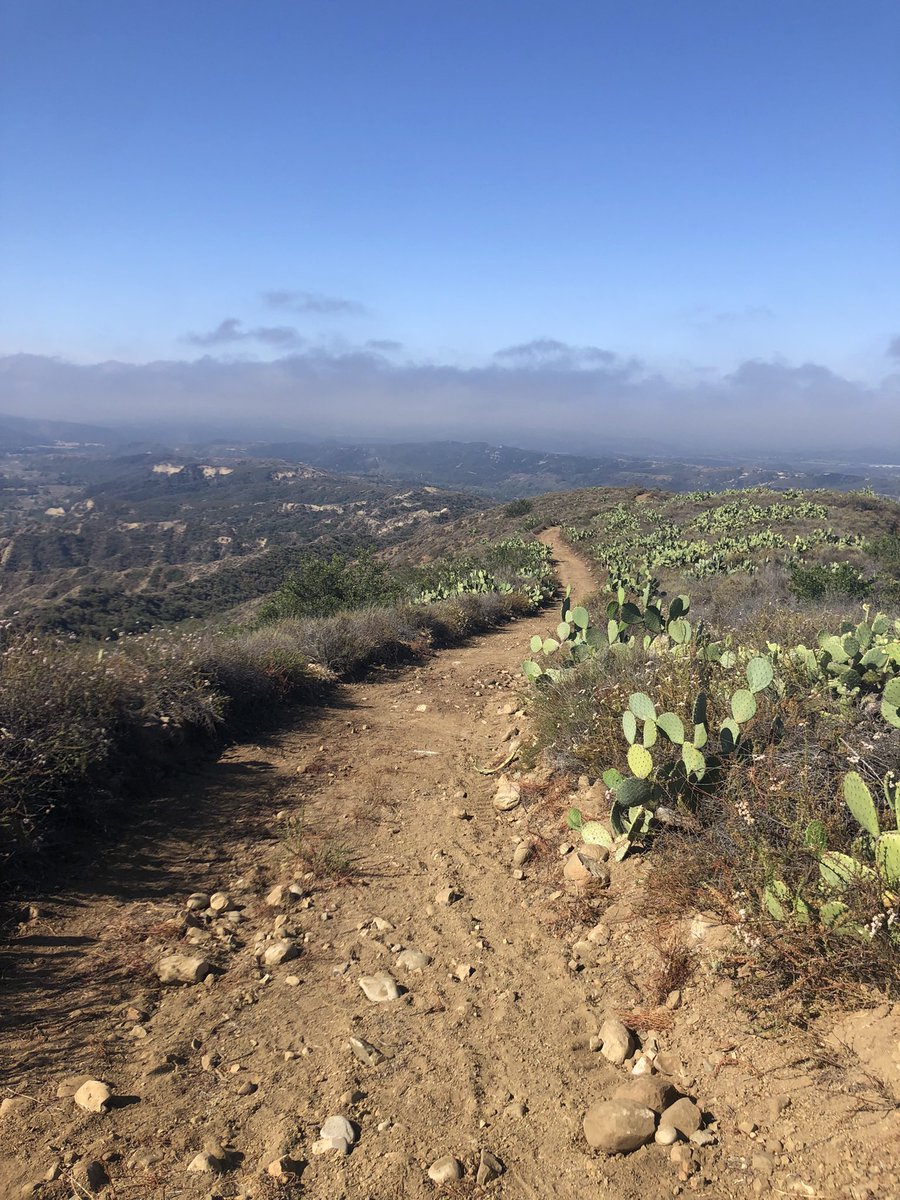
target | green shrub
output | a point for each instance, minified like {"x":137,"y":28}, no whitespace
{"x":318,"y":587}
{"x":818,"y":581}
{"x":518,"y":508}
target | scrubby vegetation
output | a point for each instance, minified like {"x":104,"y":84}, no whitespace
{"x":748,"y":738}
{"x":100,"y":546}
{"x":81,"y":722}
{"x":320,"y":586}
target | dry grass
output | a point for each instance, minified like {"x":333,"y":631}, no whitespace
{"x":80,"y":724}
{"x":675,"y":966}
{"x":648,"y":1020}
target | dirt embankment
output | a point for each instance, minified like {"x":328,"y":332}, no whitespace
{"x":488,"y":1048}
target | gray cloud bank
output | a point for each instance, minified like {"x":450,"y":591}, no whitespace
{"x":311,"y":302}
{"x":231,"y":330}
{"x":542,"y":393}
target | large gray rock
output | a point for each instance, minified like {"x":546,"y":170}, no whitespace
{"x":181,"y":968}
{"x":445,"y":1170}
{"x":338,"y":1127}
{"x":619,"y":1126}
{"x":14,"y":1106}
{"x":413,"y":960}
{"x":507,"y":795}
{"x":617,"y":1041}
{"x":683,"y":1115}
{"x":280,"y":952}
{"x":653,"y":1091}
{"x":93,"y":1096}
{"x":489,"y":1168}
{"x":365,"y":1052}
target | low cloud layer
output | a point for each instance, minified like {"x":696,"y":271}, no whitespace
{"x":311,"y":302}
{"x":542,"y":393}
{"x":232,"y":330}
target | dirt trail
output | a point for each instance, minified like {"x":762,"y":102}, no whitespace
{"x":487,"y":1049}
{"x":572,"y":570}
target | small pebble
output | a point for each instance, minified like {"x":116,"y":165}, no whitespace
{"x":379,"y":988}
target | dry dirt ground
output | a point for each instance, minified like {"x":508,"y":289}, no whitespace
{"x":488,"y":1047}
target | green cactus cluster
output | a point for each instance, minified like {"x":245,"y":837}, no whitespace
{"x":512,"y":565}
{"x":677,"y":760}
{"x":631,"y":543}
{"x":840,"y":872}
{"x":860,"y":659}
{"x":576,"y":640}
{"x":884,"y":846}
{"x":671,"y":761}
{"x":458,"y":583}
{"x":657,"y":626}
{"x":739,"y":514}
{"x":627,"y":619}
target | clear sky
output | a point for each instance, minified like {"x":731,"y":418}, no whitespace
{"x":691,"y":188}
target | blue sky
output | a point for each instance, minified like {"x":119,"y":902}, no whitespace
{"x":685,"y":186}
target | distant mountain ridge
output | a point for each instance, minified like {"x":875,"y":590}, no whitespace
{"x":507,"y":472}
{"x":19,"y":433}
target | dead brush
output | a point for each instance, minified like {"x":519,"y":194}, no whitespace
{"x":840,"y":1072}
{"x":648,"y":1020}
{"x":545,"y":801}
{"x":675,"y":966}
{"x":572,"y":912}
{"x":335,"y":859}
{"x":805,"y":970}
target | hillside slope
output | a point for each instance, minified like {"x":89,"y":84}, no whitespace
{"x":373,"y":809}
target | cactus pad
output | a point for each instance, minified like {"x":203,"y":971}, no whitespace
{"x":693,"y":760}
{"x":743,"y":705}
{"x":859,"y":800}
{"x":632,"y":791}
{"x":671,"y":726}
{"x":642,"y":706}
{"x":594,"y":833}
{"x":887,"y":858}
{"x":640,"y":761}
{"x":759,"y":673}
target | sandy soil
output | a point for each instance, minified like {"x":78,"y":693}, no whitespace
{"x":488,"y":1047}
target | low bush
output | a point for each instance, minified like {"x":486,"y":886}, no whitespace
{"x":319,"y":587}
{"x":518,"y":508}
{"x":817,"y":581}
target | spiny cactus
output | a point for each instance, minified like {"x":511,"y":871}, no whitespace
{"x":890,"y":702}
{"x":861,"y":658}
{"x":885,"y":845}
{"x":839,"y":872}
{"x":593,"y":833}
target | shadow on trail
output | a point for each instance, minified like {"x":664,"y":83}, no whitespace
{"x":170,"y":833}
{"x":166,"y":832}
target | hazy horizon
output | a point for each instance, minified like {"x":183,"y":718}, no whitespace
{"x":596,"y":226}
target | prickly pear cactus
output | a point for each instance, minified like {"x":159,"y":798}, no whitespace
{"x":890,"y":702}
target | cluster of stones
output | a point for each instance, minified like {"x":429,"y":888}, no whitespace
{"x":647,"y":1107}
